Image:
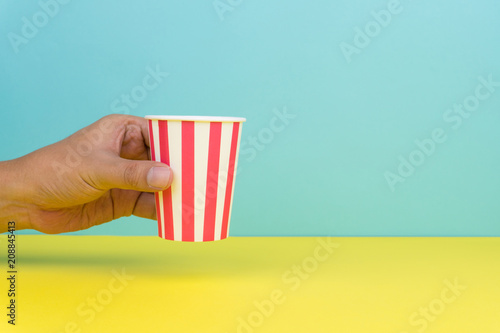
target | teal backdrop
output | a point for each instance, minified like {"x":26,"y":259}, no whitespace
{"x":365,"y":118}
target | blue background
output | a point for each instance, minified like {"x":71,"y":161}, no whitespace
{"x":324,"y":172}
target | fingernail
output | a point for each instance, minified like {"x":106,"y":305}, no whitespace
{"x":159,"y":177}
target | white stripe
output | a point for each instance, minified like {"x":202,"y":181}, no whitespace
{"x":201,"y":143}
{"x":175,"y":150}
{"x":162,"y":214}
{"x":156,"y":139}
{"x":156,"y":142}
{"x":225,"y":150}
{"x":234,"y":177}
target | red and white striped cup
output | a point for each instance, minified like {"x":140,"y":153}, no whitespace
{"x":203,"y":155}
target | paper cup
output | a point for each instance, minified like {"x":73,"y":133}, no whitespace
{"x":203,"y":155}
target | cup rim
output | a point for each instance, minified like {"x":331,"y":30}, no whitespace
{"x":197,"y":118}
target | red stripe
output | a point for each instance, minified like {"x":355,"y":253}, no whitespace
{"x":230,"y":179}
{"x":212,"y":181}
{"x":188,"y":181}
{"x":153,"y":158}
{"x":168,"y":224}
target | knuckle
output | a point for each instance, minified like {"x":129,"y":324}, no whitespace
{"x":131,"y":175}
{"x":112,"y":116}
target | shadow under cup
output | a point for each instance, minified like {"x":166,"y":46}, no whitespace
{"x":203,"y":155}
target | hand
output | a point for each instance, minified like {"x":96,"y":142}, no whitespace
{"x":96,"y":175}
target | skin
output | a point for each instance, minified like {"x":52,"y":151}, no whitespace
{"x":96,"y":175}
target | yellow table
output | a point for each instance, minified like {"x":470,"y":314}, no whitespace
{"x":246,"y":285}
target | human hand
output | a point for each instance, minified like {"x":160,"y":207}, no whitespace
{"x":96,"y":175}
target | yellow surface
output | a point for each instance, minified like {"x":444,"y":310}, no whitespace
{"x":254,"y":285}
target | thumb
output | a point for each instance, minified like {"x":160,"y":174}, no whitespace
{"x":144,"y":176}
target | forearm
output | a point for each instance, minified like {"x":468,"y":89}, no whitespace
{"x":12,"y":204}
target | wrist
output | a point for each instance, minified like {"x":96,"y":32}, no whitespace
{"x":13,"y":207}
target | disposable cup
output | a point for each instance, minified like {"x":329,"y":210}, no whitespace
{"x":203,"y":155}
